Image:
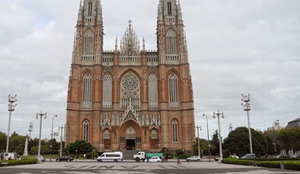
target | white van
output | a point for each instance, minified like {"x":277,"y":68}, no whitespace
{"x":111,"y":156}
{"x":9,"y":156}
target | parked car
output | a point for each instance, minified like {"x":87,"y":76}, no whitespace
{"x":154,"y":159}
{"x":193,"y":158}
{"x":234,"y":156}
{"x":65,"y":158}
{"x":295,"y":156}
{"x":248,"y":155}
{"x":282,"y":156}
{"x":41,"y":158}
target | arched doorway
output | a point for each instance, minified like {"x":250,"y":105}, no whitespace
{"x":154,"y":139}
{"x":106,"y":140}
{"x":130,"y":138}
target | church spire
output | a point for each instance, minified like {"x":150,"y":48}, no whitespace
{"x":170,"y":32}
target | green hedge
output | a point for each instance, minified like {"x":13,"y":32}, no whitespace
{"x":20,"y":162}
{"x":268,"y":162}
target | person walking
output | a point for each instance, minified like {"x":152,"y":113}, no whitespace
{"x":178,"y":161}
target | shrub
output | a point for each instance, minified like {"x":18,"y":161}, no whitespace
{"x":21,"y":162}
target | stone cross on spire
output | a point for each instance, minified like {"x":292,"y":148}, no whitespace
{"x":130,"y":21}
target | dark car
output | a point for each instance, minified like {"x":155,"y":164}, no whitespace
{"x":65,"y":158}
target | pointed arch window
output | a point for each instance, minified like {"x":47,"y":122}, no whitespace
{"x":173,"y":90}
{"x":169,"y":6}
{"x":86,"y":131}
{"x":171,"y":42}
{"x":174,"y":131}
{"x":152,"y":91}
{"x":130,"y":91}
{"x":90,"y":8}
{"x":107,"y":91}
{"x":88,"y":42}
{"x":87,"y":91}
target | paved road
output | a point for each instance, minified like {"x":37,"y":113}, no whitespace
{"x":129,"y":167}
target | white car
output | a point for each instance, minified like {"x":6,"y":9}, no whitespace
{"x":154,"y":159}
{"x":193,"y":158}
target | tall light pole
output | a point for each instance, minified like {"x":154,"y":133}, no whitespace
{"x":192,"y":125}
{"x":199,"y":140}
{"x":207,"y":136}
{"x":52,"y":137}
{"x":30,"y":129}
{"x":246,"y":106}
{"x":40,"y":135}
{"x":276,"y":122}
{"x":218,"y":114}
{"x":61,"y":134}
{"x":11,"y":107}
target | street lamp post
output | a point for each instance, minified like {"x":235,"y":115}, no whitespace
{"x":246,"y":106}
{"x":11,"y":107}
{"x":192,"y":125}
{"x":52,"y":137}
{"x":199,"y":140}
{"x":207,"y":137}
{"x":218,"y":114}
{"x":40,"y":134}
{"x":76,"y":155}
{"x":61,"y":132}
{"x":30,"y":129}
{"x":275,"y":123}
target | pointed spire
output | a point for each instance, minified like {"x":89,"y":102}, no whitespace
{"x":179,"y":11}
{"x":143,"y":44}
{"x":80,"y":12}
{"x":116,"y":44}
{"x":99,"y":13}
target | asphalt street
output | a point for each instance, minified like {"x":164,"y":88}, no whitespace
{"x":130,"y":167}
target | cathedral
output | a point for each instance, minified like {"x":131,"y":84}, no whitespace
{"x":130,"y":98}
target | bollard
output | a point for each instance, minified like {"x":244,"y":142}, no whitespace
{"x":282,"y":165}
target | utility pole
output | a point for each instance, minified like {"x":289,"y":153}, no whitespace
{"x":61,"y":134}
{"x":218,"y":114}
{"x":246,"y":106}
{"x":199,"y":140}
{"x":207,"y":137}
{"x":52,"y":137}
{"x":40,"y":135}
{"x":30,"y":129}
{"x":11,"y":107}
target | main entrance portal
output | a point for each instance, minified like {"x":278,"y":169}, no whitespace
{"x":130,"y":144}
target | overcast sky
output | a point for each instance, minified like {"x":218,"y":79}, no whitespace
{"x":235,"y":47}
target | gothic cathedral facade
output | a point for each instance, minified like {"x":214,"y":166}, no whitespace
{"x":130,"y":98}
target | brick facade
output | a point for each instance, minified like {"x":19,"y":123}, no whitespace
{"x":121,"y":117}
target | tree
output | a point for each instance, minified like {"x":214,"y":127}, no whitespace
{"x":273,"y":143}
{"x":215,"y":144}
{"x":3,"y":140}
{"x":238,"y":142}
{"x":17,"y":143}
{"x":289,"y":138}
{"x":81,"y":146}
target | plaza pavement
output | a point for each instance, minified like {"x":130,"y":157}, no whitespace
{"x":128,"y":165}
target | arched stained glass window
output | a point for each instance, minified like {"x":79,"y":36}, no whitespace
{"x":107,"y":91}
{"x":171,"y":42}
{"x":130,"y":91}
{"x":88,"y":42}
{"x":86,"y":131}
{"x":173,"y":90}
{"x":87,"y":91}
{"x":152,"y":91}
{"x":174,"y":131}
